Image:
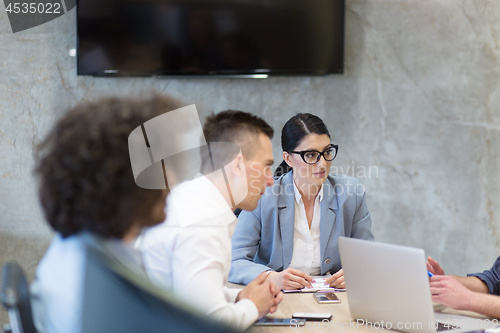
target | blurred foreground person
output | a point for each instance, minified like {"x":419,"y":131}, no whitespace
{"x":90,"y":199}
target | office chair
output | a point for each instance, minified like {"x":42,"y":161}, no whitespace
{"x":15,"y":298}
{"x":119,"y":300}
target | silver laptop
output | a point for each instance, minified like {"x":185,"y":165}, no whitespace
{"x":388,"y":285}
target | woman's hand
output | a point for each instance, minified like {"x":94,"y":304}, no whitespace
{"x":291,"y":279}
{"x":434,"y":267}
{"x":336,"y":280}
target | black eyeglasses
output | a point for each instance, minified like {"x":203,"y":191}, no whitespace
{"x":313,"y":156}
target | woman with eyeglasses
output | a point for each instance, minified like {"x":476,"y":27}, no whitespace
{"x":293,"y":232}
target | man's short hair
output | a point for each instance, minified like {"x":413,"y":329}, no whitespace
{"x":84,"y":171}
{"x":239,"y":127}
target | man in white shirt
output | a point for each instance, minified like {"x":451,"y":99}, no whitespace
{"x":190,"y":253}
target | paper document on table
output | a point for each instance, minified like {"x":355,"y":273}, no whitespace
{"x":318,"y":286}
{"x":320,"y":282}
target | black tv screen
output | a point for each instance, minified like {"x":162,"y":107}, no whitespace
{"x":210,"y":37}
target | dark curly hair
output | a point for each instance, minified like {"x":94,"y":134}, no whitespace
{"x":84,"y":170}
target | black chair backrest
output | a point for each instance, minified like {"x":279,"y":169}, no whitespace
{"x":15,"y":298}
{"x":117,"y":300}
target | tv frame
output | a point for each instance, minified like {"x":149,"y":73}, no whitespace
{"x":220,"y":74}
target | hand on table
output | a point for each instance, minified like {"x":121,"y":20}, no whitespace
{"x":434,"y":267}
{"x":263,"y":293}
{"x":449,"y":292}
{"x":278,"y":297}
{"x":291,"y":279}
{"x":336,"y":280}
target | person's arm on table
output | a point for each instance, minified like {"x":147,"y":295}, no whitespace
{"x":471,"y":282}
{"x":198,"y":278}
{"x":450,"y":292}
{"x":291,"y":279}
{"x":252,"y":292}
{"x":236,"y":294}
{"x":336,"y":280}
{"x":245,"y":243}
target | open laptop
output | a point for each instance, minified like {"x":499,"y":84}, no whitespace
{"x":388,"y":285}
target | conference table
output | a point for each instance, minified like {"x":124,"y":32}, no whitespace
{"x":340,"y":322}
{"x":305,"y":302}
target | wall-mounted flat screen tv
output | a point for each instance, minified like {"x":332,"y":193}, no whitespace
{"x":210,"y":37}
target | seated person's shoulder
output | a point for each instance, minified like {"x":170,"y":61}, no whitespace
{"x":64,"y":250}
{"x":59,"y":279}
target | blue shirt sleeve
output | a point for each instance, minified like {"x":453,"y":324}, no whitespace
{"x":491,"y":277}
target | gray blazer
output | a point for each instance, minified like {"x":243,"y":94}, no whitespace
{"x":263,"y":239}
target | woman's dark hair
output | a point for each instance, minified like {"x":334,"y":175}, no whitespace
{"x":84,"y":170}
{"x":296,"y":129}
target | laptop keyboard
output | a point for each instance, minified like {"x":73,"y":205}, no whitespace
{"x":445,"y":327}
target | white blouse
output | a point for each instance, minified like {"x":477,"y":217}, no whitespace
{"x":306,"y":242}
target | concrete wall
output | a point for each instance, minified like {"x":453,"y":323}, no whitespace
{"x":419,"y":101}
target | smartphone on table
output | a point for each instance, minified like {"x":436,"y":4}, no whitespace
{"x":315,"y":316}
{"x":326,"y":298}
{"x":278,"y":322}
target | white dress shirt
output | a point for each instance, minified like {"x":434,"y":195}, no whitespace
{"x":306,"y":241}
{"x":190,"y":253}
{"x":57,"y":291}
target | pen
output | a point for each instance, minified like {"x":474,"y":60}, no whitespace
{"x":430,"y":274}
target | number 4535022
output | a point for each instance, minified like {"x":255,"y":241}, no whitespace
{"x":34,"y":8}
